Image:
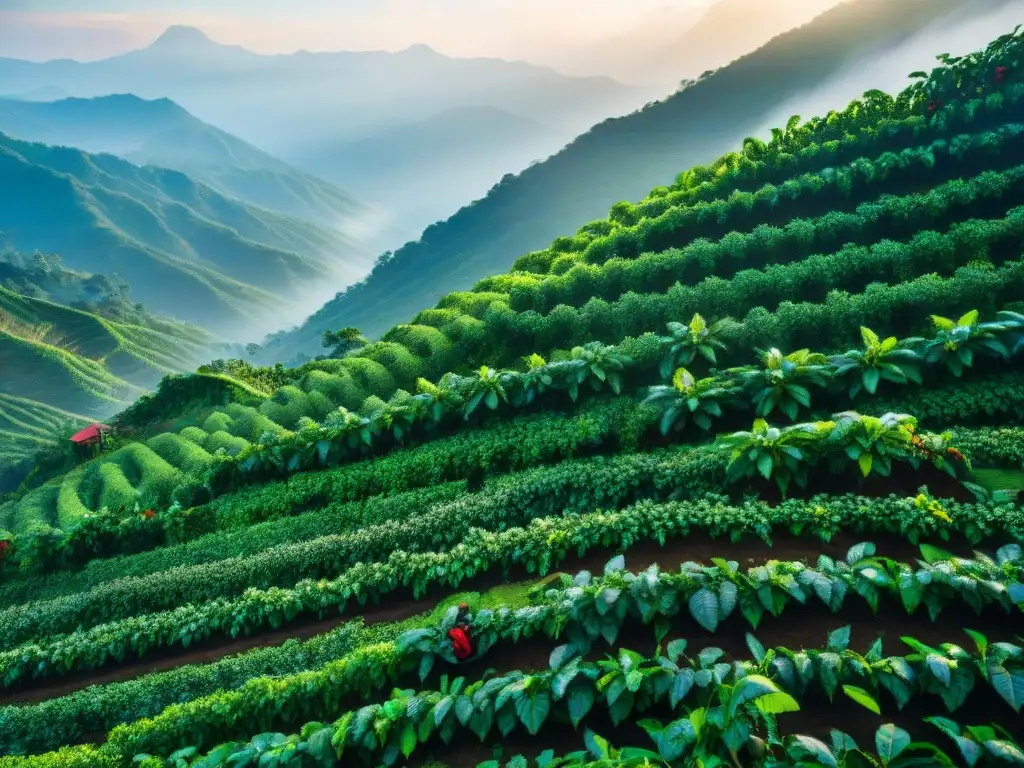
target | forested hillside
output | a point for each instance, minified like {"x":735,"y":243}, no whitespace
{"x":731,"y":477}
{"x":163,"y":134}
{"x":187,"y":251}
{"x":525,"y":212}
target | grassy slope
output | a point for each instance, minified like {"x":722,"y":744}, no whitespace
{"x":188,"y":251}
{"x":28,"y":426}
{"x":527,"y":211}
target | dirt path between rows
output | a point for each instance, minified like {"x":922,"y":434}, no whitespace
{"x":401,"y":605}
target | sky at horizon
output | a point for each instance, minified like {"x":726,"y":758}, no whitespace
{"x":39,"y":30}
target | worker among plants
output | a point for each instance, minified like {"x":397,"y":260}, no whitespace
{"x":460,"y":635}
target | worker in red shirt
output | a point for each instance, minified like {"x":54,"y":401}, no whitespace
{"x":462,"y":640}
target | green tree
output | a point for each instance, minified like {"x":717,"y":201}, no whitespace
{"x":343,"y":341}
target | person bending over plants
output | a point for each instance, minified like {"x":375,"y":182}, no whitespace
{"x":461,"y":635}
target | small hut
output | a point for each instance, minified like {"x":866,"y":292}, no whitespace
{"x":91,"y":436}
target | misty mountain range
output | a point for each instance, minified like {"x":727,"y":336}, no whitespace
{"x":161,"y":133}
{"x":317,"y":110}
{"x":674,"y":43}
{"x":186,"y":250}
{"x":285,"y":102}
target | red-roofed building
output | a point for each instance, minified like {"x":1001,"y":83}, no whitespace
{"x":91,"y":435}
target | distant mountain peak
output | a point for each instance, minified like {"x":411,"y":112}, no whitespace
{"x":420,"y":49}
{"x":180,"y":36}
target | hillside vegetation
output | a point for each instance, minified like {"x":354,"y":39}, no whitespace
{"x":187,"y":251}
{"x":74,"y":349}
{"x":729,"y":478}
{"x":162,"y":134}
{"x":28,"y":428}
{"x":523,"y":212}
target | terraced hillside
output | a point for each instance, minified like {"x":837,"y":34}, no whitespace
{"x":756,"y":474}
{"x":63,"y":365}
{"x":28,"y":427}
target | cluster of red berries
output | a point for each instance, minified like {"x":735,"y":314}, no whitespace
{"x":918,"y":443}
{"x":149,"y":514}
{"x":999,"y":74}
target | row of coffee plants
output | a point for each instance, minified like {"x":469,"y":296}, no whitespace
{"x":998,"y":445}
{"x":853,"y":268}
{"x":950,"y":206}
{"x":588,"y":368}
{"x":330,"y":518}
{"x":607,"y":603}
{"x":76,"y":717}
{"x":744,"y":697}
{"x":825,"y":319}
{"x":505,"y":446}
{"x":781,"y":382}
{"x":574,"y":485}
{"x":876,"y":134}
{"x":979,"y":746}
{"x":587,"y":610}
{"x":860,"y":130}
{"x":962,"y":401}
{"x":536,"y":547}
{"x":993,"y":399}
{"x":70,"y":719}
{"x":874,"y":117}
{"x":594,"y":367}
{"x":811,"y":194}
